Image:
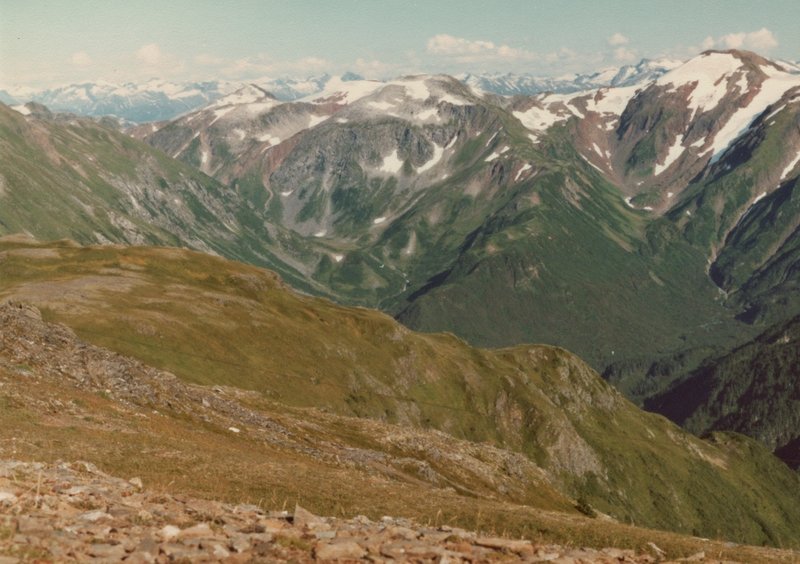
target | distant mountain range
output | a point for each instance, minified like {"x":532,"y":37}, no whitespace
{"x":150,"y":101}
{"x":511,"y":84}
{"x":651,"y":227}
{"x":158,"y":100}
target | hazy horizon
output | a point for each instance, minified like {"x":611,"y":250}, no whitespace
{"x":49,"y":43}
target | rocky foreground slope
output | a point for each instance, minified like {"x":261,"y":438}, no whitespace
{"x":64,"y":512}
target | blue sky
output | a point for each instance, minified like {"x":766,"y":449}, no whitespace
{"x":45,"y":43}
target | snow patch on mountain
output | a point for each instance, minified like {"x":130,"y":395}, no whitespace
{"x":22,"y":109}
{"x":415,"y":88}
{"x":790,"y":167}
{"x":611,"y":100}
{"x":591,"y":164}
{"x":382,"y":105}
{"x":269,"y":138}
{"x":392,"y":164}
{"x":673,"y":153}
{"x":247,"y":95}
{"x":540,"y":119}
{"x":521,"y":171}
{"x":554,"y":108}
{"x":315,"y":120}
{"x":220,"y":113}
{"x":708,"y":73}
{"x":344,"y":92}
{"x":438,"y":152}
{"x":427,"y":114}
{"x":771,"y":90}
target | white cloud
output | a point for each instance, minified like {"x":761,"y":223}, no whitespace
{"x":761,"y":40}
{"x":263,"y":64}
{"x":469,"y":50}
{"x":618,"y":39}
{"x":150,"y":54}
{"x":373,"y":68}
{"x":81,"y":59}
{"x":444,"y":44}
{"x":563,"y":55}
{"x":207,"y":60}
{"x":314,"y":64}
{"x":624,"y":55}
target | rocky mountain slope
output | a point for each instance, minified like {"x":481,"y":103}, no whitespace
{"x":415,"y":191}
{"x":67,"y":177}
{"x":529,"y":425}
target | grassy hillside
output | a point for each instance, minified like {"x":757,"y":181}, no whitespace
{"x":214,"y":322}
{"x":65,"y":400}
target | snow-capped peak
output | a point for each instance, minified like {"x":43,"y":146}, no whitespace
{"x":709,"y":73}
{"x":248,"y":94}
{"x":343,"y":91}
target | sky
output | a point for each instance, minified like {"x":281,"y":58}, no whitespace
{"x":57,"y":42}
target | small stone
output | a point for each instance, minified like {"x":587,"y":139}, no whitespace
{"x":402,"y":533}
{"x":201,"y":530}
{"x":520,"y":547}
{"x":93,"y":516}
{"x":175,"y":551}
{"x":145,"y":516}
{"x":169,"y":532}
{"x":697,"y":557}
{"x":147,"y":544}
{"x":220,"y":551}
{"x":339,"y":550}
{"x":239,"y":543}
{"x":618,"y":553}
{"x":140,"y":558}
{"x":76,"y":490}
{"x":656,"y":549}
{"x":7,"y":498}
{"x":234,"y":430}
{"x":107,"y":551}
{"x":136,"y":483}
{"x":273,"y":525}
{"x":249,"y":508}
{"x":325,"y":535}
{"x":27,"y":525}
{"x":304,"y":518}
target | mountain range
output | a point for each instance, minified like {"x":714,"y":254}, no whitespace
{"x":156,"y":100}
{"x":648,"y":224}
